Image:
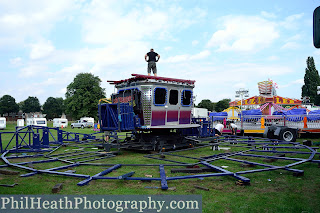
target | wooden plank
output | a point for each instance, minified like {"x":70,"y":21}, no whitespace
{"x":8,"y":172}
{"x":269,"y":160}
{"x":247,"y":165}
{"x":201,"y":187}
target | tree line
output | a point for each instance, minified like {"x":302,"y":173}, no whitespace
{"x":214,"y":106}
{"x":81,"y":99}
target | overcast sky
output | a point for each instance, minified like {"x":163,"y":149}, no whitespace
{"x":223,"y":45}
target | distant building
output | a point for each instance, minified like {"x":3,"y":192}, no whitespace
{"x":34,"y":115}
{"x":12,"y":116}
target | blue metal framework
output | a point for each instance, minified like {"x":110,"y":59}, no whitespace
{"x":35,"y":138}
{"x":204,"y":130}
{"x":81,"y":157}
{"x":117,"y":117}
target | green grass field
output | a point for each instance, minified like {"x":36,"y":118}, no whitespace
{"x":272,"y":191}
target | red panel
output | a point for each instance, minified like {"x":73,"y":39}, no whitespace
{"x":185,"y":117}
{"x":172,"y":116}
{"x":158,"y":118}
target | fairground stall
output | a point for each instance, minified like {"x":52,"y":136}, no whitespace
{"x":269,"y":109}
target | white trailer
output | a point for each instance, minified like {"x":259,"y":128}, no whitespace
{"x":87,"y":119}
{"x":3,"y":123}
{"x":199,"y":112}
{"x":37,"y":121}
{"x":60,"y":122}
{"x":20,"y":123}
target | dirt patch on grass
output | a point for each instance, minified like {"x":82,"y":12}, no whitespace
{"x":309,"y":189}
{"x":218,"y":187}
{"x":191,"y":191}
{"x":269,"y":189}
{"x":133,"y":184}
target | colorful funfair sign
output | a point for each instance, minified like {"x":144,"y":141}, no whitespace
{"x":258,"y":100}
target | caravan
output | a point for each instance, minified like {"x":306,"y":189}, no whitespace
{"x":20,"y":123}
{"x":3,"y":122}
{"x":199,"y":112}
{"x":87,"y":119}
{"x":60,"y":122}
{"x":37,"y":121}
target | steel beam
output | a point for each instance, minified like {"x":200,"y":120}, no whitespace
{"x":262,"y":164}
{"x":125,"y":176}
{"x":197,"y":176}
{"x":272,"y":157}
{"x":284,"y":152}
{"x":85,"y":182}
{"x":244,"y":179}
{"x":164,"y":184}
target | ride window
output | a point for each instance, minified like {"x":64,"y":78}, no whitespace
{"x":123,"y":96}
{"x":160,"y":96}
{"x":173,"y":97}
{"x":186,"y":97}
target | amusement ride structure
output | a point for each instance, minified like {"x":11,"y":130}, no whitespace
{"x":268,"y":100}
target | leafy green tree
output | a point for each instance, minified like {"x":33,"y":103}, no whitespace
{"x":207,"y":104}
{"x":222,"y":105}
{"x":31,"y":104}
{"x":20,"y":104}
{"x":8,"y":104}
{"x":53,"y":107}
{"x":83,"y":95}
{"x":311,"y":81}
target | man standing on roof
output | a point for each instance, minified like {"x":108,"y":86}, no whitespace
{"x":152,"y":59}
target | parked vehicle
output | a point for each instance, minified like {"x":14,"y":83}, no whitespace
{"x":199,"y":112}
{"x":81,"y":124}
{"x":60,"y":122}
{"x":3,"y":123}
{"x":37,"y":121}
{"x":87,"y":119}
{"x":20,"y":123}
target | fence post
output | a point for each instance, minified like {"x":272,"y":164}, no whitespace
{"x":1,"y":143}
{"x":59,"y":135}
{"x":17,"y":141}
{"x":36,"y":142}
{"x":45,"y":138}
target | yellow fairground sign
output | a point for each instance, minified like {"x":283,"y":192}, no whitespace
{"x":258,"y":100}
